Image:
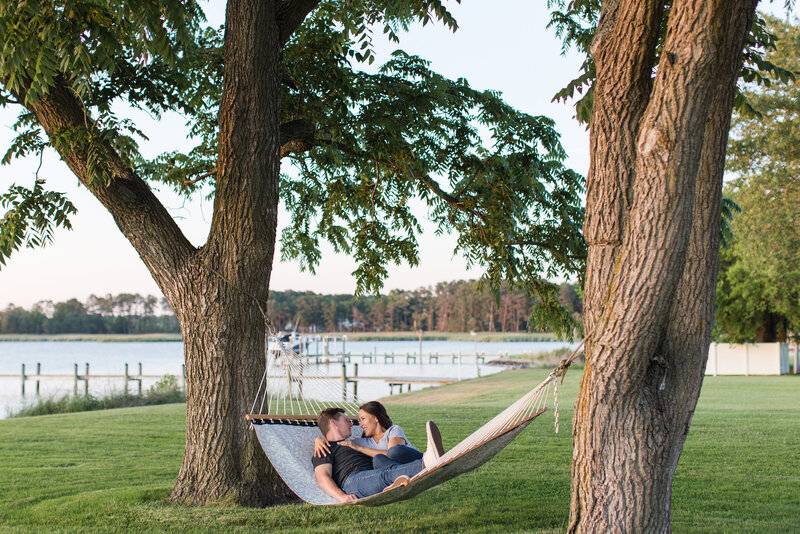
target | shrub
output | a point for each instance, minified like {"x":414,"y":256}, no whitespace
{"x":166,"y":391}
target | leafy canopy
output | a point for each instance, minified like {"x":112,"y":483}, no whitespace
{"x":376,"y":144}
{"x":575,"y":22}
{"x":757,"y":291}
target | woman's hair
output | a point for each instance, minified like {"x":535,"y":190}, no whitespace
{"x":376,"y":409}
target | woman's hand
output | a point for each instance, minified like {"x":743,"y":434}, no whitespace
{"x":321,"y":447}
{"x":348,"y":444}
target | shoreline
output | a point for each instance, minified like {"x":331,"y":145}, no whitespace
{"x":351,"y":336}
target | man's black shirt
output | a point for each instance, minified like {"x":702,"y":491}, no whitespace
{"x":344,"y":461}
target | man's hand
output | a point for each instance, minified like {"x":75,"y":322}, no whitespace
{"x":347,"y":498}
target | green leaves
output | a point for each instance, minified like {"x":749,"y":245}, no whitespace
{"x":407,"y":140}
{"x":390,"y":146}
{"x":757,"y":291}
{"x":31,"y":218}
{"x":575,"y":22}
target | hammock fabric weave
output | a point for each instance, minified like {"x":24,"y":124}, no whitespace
{"x":297,"y":392}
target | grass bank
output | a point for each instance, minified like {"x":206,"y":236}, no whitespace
{"x":110,"y":471}
{"x":166,"y":391}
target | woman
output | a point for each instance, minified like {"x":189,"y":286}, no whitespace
{"x":384,"y":442}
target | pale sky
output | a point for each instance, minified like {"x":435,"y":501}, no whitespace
{"x":501,"y":45}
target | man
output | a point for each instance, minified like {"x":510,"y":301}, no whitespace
{"x":346,"y":474}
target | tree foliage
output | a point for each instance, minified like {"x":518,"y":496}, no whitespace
{"x":757,"y":293}
{"x":368,"y":148}
{"x":575,"y":22}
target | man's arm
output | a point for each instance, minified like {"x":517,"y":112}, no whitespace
{"x":324,"y":474}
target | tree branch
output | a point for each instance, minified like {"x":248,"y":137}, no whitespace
{"x":203,"y":176}
{"x":428,"y":181}
{"x":292,"y":13}
{"x":548,"y":246}
{"x":137,"y":212}
{"x":296,"y":137}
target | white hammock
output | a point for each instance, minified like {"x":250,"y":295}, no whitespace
{"x":287,"y":427}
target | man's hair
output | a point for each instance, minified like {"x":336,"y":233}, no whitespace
{"x":326,"y":416}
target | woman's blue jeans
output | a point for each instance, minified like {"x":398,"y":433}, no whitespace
{"x":399,"y":454}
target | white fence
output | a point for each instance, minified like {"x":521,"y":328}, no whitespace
{"x":748,"y":359}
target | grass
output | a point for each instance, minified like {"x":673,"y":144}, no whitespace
{"x":110,"y":471}
{"x":166,"y":391}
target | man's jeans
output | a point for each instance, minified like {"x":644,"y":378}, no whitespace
{"x":365,"y":483}
{"x":399,"y":454}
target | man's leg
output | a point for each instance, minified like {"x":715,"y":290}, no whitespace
{"x":365,"y":483}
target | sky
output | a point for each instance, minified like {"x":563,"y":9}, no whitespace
{"x":502,"y":45}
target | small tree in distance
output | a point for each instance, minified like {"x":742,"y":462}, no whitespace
{"x":758,"y":292}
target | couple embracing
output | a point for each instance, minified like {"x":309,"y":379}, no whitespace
{"x":349,"y":469}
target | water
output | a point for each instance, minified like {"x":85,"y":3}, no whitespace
{"x":161,"y":358}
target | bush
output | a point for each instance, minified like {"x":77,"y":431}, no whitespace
{"x":166,"y":391}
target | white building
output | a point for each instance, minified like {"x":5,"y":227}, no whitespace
{"x":748,"y":359}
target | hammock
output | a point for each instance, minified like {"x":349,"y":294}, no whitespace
{"x":286,"y":426}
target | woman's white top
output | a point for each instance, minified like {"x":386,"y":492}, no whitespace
{"x":393,"y":431}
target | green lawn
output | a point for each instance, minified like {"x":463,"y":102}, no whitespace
{"x":110,"y":471}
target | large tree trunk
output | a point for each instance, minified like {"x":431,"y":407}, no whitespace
{"x":653,"y":208}
{"x":223,"y":337}
{"x":220,"y":308}
{"x":218,"y":292}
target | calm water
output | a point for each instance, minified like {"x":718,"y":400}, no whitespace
{"x":161,"y":358}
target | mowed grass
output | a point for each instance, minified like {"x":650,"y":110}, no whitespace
{"x":111,"y":471}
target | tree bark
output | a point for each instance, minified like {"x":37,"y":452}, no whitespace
{"x":220,"y":307}
{"x":218,"y":292}
{"x":650,"y":308}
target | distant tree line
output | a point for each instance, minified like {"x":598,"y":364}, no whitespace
{"x":447,"y":307}
{"x":458,"y":306}
{"x":121,"y":314}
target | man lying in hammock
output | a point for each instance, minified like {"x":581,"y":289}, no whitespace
{"x":346,"y":474}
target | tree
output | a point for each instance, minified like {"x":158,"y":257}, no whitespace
{"x":758,"y":292}
{"x":278,"y":82}
{"x":662,"y":83}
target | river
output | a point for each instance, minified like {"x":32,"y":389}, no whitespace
{"x":162,"y":358}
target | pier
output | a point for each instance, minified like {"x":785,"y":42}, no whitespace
{"x":84,"y":378}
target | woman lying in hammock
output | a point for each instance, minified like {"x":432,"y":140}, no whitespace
{"x":382,"y":441}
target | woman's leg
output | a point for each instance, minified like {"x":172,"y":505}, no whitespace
{"x":402,"y":454}
{"x":381,"y":460}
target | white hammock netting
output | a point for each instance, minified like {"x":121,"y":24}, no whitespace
{"x":293,"y":392}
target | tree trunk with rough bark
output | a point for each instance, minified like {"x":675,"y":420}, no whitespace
{"x":219,"y":291}
{"x":653,"y":209}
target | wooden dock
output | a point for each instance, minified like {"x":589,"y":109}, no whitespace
{"x":77,"y":378}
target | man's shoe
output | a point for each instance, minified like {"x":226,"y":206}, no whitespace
{"x":402,"y":480}
{"x":435,"y":448}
